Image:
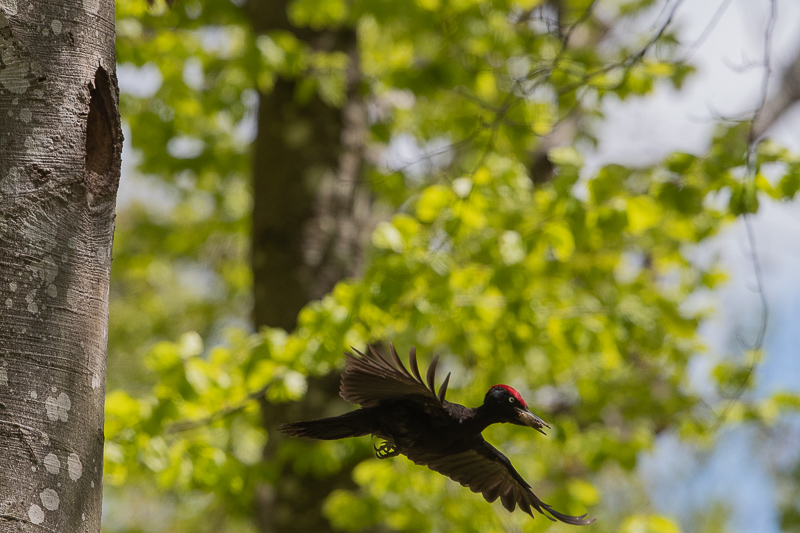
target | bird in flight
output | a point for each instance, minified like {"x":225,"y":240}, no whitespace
{"x":415,"y":420}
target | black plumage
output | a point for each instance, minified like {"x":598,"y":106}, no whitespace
{"x":415,"y":420}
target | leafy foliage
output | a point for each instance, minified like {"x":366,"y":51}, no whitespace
{"x":568,"y":288}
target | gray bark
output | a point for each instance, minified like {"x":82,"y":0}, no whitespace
{"x":60,"y":145}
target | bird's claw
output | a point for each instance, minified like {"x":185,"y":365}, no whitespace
{"x":385,"y":450}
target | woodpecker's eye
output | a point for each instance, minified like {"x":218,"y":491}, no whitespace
{"x":511,"y":399}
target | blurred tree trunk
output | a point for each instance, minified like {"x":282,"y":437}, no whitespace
{"x":311,"y":218}
{"x":60,"y":146}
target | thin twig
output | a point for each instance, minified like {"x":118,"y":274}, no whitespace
{"x":752,"y":171}
{"x":188,"y":425}
{"x":583,"y":18}
{"x":767,"y":73}
{"x":723,"y":6}
{"x":631,"y":60}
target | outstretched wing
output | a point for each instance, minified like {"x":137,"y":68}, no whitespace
{"x":484,"y":469}
{"x":370,"y":378}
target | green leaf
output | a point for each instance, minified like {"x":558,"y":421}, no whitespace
{"x":643,"y":214}
{"x":387,"y":237}
{"x":744,"y":198}
{"x":790,"y":182}
{"x":649,"y":524}
{"x":608,"y":183}
{"x":560,"y":239}
{"x":679,"y":162}
{"x":565,"y":156}
{"x":432,"y":202}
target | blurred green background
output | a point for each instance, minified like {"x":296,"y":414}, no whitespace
{"x":304,"y":176}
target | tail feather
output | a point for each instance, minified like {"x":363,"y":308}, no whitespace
{"x":353,"y":424}
{"x":569,"y":519}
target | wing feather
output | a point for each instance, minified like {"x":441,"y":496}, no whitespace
{"x":412,"y":362}
{"x":432,"y":373}
{"x":485,"y":470}
{"x":397,"y":362}
{"x":370,"y":378}
{"x":443,"y":388}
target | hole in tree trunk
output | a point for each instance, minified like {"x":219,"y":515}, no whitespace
{"x":103,"y":136}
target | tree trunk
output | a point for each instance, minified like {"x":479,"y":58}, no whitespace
{"x":311,"y":220}
{"x":311,"y":216}
{"x":60,"y":145}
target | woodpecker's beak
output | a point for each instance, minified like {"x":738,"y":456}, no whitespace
{"x":526,"y":418}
